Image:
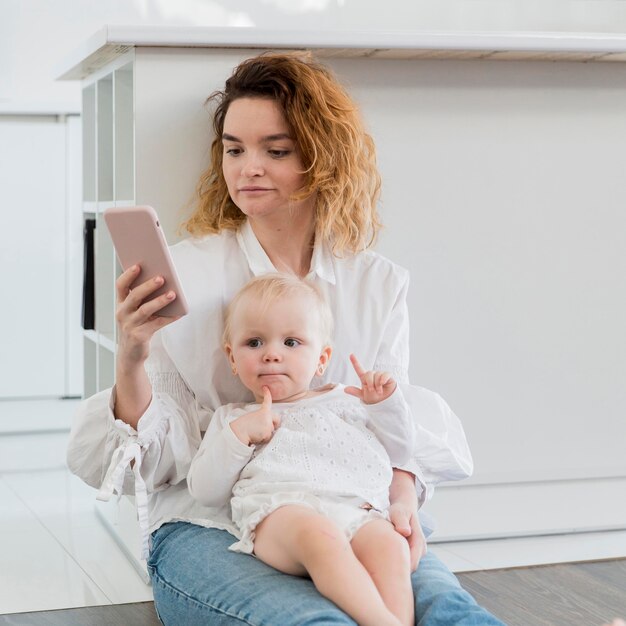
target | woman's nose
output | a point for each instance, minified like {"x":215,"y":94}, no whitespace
{"x":252,"y":166}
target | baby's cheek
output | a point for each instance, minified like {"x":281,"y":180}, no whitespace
{"x":248,"y":364}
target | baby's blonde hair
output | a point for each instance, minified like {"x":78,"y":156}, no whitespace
{"x":268,"y":288}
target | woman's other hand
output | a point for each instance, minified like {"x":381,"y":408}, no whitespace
{"x":404,"y":516}
{"x":406,"y":522}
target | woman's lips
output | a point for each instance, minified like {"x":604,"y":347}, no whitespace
{"x":254,"y":189}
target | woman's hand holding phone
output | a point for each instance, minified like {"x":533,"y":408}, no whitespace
{"x":136,"y":316}
{"x":149,"y":297}
{"x":137,"y":323}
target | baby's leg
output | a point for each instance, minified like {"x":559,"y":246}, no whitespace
{"x":385,"y":555}
{"x":297,"y":540}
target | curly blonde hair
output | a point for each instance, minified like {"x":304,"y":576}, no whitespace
{"x":338,"y":155}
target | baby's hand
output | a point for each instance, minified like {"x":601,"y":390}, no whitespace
{"x":257,"y":426}
{"x":376,"y":386}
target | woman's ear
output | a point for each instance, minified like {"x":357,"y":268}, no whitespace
{"x":229,"y":354}
{"x":322,"y":364}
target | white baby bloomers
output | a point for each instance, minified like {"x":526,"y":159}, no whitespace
{"x":331,"y":453}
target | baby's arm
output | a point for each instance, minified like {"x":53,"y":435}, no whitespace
{"x":226,"y":449}
{"x":216,"y":467}
{"x":389,"y":415}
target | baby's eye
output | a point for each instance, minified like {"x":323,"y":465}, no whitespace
{"x":253,"y":343}
{"x":291,"y":343}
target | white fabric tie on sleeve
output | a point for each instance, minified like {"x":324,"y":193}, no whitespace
{"x":130,"y":450}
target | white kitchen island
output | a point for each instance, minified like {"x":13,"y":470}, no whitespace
{"x":503,"y":193}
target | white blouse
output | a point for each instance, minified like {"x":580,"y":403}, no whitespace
{"x":190,"y":378}
{"x":330,"y":444}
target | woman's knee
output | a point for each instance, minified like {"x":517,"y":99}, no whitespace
{"x":175,"y":607}
{"x":433,"y":582}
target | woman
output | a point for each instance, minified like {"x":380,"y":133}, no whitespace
{"x":292,"y":187}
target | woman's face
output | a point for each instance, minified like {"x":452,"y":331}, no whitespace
{"x":261,"y":162}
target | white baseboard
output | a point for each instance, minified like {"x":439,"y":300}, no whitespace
{"x":473,"y":512}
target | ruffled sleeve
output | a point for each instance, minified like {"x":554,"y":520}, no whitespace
{"x":112,"y":456}
{"x":441,"y":451}
{"x":152,"y":457}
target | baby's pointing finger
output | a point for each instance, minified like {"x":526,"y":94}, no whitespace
{"x":357,"y":366}
{"x":267,"y":398}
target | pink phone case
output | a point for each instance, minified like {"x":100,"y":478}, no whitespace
{"x":138,"y":238}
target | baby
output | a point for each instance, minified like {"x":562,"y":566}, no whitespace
{"x":307,"y":471}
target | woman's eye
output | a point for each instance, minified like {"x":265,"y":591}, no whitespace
{"x":292,"y":343}
{"x":232,"y":151}
{"x":253,"y":343}
{"x":279,"y":154}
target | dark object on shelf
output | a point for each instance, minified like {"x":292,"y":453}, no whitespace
{"x":89,"y":308}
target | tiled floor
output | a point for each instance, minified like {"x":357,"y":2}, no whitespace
{"x":57,"y":554}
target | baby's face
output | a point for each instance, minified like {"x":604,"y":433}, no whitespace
{"x":279,"y":347}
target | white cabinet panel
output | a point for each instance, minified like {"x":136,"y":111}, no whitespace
{"x":503,"y":195}
{"x":32,"y":257}
{"x":503,"y":192}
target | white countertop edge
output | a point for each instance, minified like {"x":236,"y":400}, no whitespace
{"x":111,"y":36}
{"x":181,"y":36}
{"x":38,"y":109}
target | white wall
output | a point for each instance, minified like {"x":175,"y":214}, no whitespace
{"x":504,"y":193}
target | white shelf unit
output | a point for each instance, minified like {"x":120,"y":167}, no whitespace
{"x":108,"y":181}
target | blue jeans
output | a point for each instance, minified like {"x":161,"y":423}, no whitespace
{"x":197,"y":580}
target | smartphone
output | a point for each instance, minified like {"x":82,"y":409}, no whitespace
{"x":138,"y":239}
